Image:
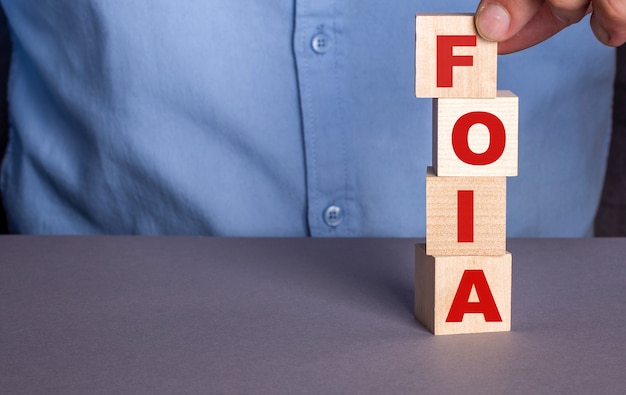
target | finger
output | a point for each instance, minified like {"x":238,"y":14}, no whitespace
{"x":543,"y":25}
{"x":569,"y":11}
{"x":499,"y":20}
{"x":608,"y":21}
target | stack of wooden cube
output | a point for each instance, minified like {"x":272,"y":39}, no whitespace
{"x":463,"y":273}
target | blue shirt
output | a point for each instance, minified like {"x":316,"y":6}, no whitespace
{"x":254,"y":117}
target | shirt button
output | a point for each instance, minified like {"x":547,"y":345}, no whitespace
{"x":320,"y":43}
{"x":333,"y":216}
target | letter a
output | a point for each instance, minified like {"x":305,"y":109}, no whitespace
{"x":486,"y":304}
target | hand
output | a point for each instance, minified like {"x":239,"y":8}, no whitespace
{"x":519,"y":24}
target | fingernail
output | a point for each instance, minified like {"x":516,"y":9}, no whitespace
{"x":561,"y":18}
{"x":601,"y":34}
{"x":493,"y":22}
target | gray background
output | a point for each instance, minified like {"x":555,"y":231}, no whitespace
{"x":108,"y":315}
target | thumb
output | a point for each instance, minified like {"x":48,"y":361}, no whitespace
{"x":517,"y":24}
{"x":499,"y":20}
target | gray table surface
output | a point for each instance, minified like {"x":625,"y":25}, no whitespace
{"x":83,"y":315}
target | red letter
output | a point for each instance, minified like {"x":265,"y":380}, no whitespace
{"x":465,"y":215}
{"x":497,"y":138}
{"x":446,"y":59}
{"x":485,"y":305}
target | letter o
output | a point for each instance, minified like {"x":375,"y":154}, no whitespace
{"x":497,"y":138}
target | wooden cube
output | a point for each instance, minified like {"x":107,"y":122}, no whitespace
{"x":463,"y":294}
{"x":476,"y":137}
{"x":451,"y":59}
{"x":465,"y":215}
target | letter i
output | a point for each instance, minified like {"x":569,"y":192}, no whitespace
{"x":465,"y":216}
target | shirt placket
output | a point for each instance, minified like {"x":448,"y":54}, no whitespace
{"x":321,"y":78}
